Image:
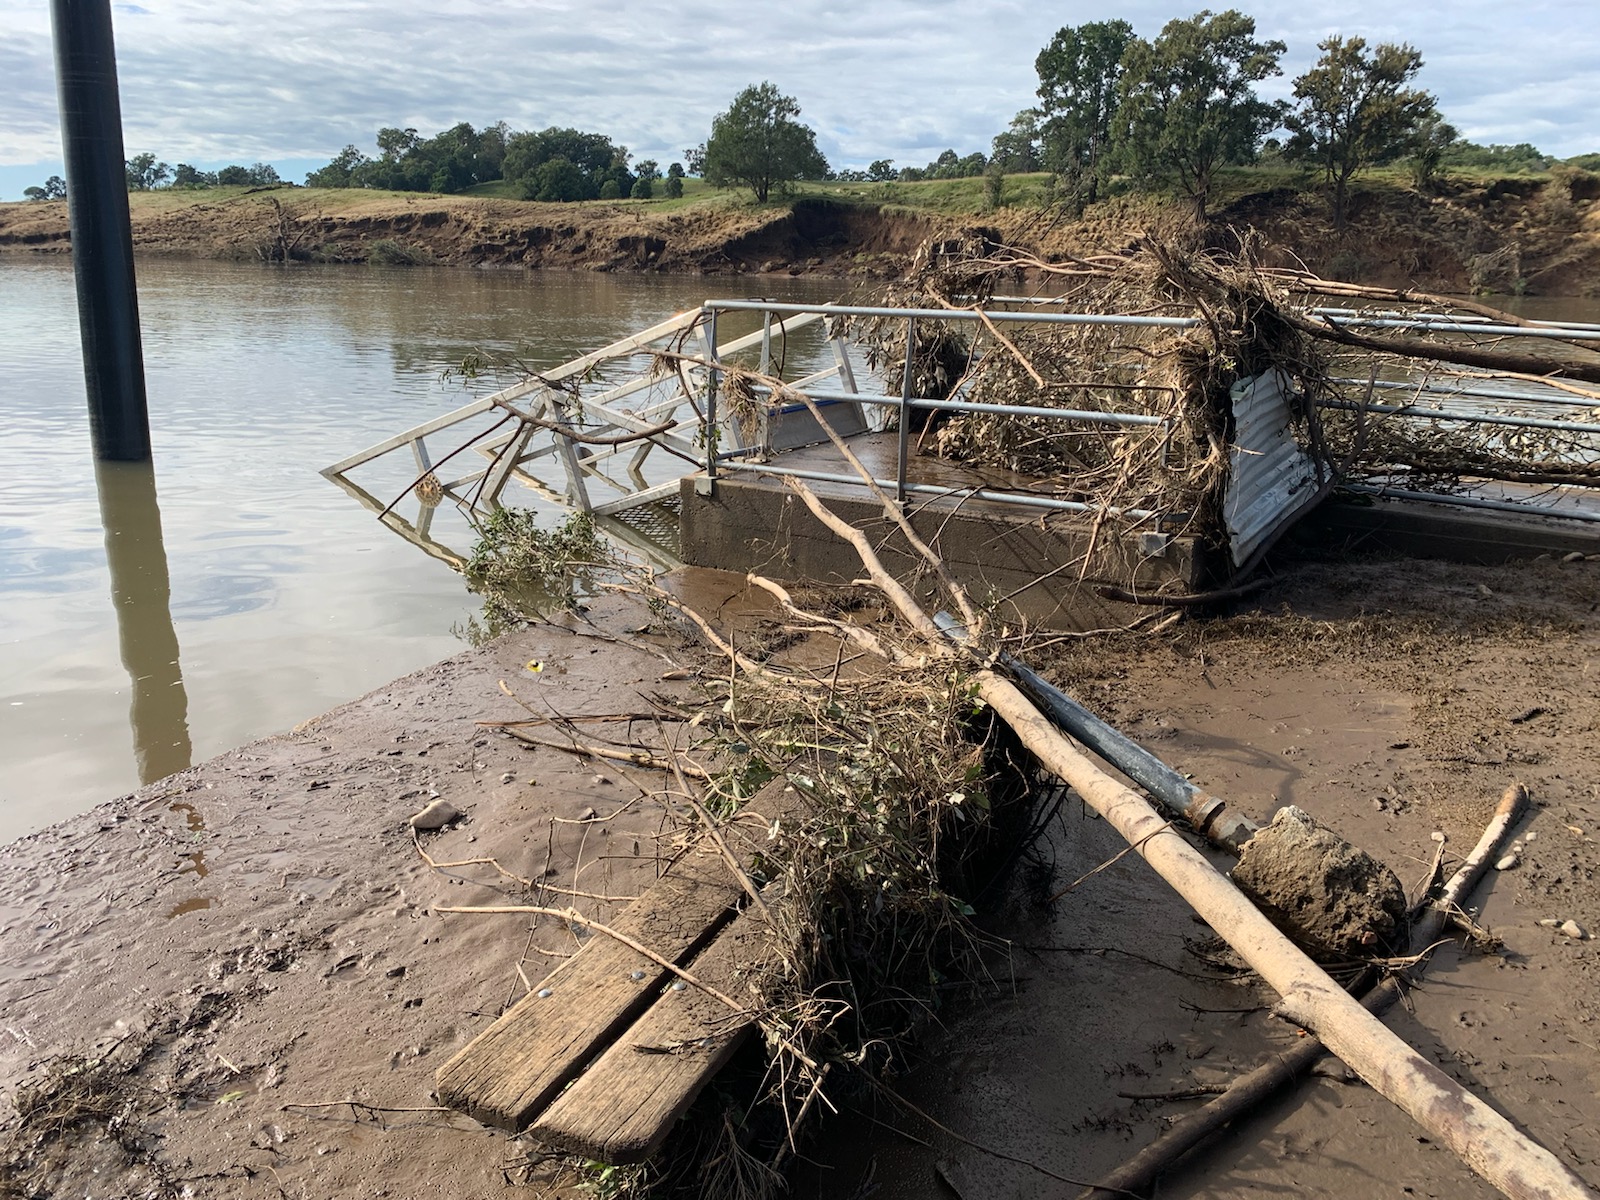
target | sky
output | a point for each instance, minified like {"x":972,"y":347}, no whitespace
{"x":291,"y":82}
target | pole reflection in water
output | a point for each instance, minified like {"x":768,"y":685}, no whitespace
{"x":140,"y":592}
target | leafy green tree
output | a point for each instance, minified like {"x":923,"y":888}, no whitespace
{"x":881,"y":170}
{"x":758,"y":144}
{"x":610,"y":191}
{"x":1433,"y":138}
{"x":145,"y":173}
{"x":649,"y":170}
{"x":1080,"y":72}
{"x":55,"y":188}
{"x":557,"y":180}
{"x":186,"y":176}
{"x":674,"y":185}
{"x":1187,"y":102}
{"x":1017,"y":149}
{"x":1354,"y":110}
{"x":256,"y":175}
{"x":341,"y":172}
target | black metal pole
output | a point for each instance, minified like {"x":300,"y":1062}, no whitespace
{"x":102,"y":240}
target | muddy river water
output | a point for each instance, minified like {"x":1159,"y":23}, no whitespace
{"x":249,"y":593}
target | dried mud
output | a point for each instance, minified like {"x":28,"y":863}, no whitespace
{"x":258,"y":935}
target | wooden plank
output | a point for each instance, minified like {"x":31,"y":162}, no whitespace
{"x":623,"y":1107}
{"x":516,"y":1066}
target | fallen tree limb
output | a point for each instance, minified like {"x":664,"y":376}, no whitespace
{"x":1252,"y":1088}
{"x":1467,"y":356}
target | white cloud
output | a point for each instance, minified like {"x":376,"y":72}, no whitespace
{"x":280,"y":79}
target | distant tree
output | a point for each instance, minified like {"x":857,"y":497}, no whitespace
{"x":643,"y":189}
{"x":145,"y":173}
{"x":1187,"y":102}
{"x":675,"y":171}
{"x":610,"y":191}
{"x":1080,"y":72}
{"x":55,"y":188}
{"x":341,"y":172}
{"x":1017,"y":149}
{"x":695,"y":159}
{"x":758,"y":144}
{"x":1355,"y":111}
{"x":674,"y":184}
{"x":994,"y":185}
{"x":558,"y":180}
{"x":593,"y":156}
{"x":880,"y":170}
{"x":186,"y":176}
{"x":1521,"y":157}
{"x":649,"y":170}
{"x":257,"y":175}
{"x":1433,"y":138}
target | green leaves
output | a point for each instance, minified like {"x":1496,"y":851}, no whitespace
{"x":1354,"y":110}
{"x":1187,"y":101}
{"x":758,"y":144}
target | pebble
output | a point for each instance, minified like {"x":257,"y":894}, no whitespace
{"x":1573,"y":930}
{"x":508,"y":777}
{"x":1437,"y":835}
{"x":545,"y":993}
{"x":436,"y":816}
{"x":1575,"y":556}
{"x":1530,"y":837}
{"x":1506,"y":863}
{"x":587,"y":814}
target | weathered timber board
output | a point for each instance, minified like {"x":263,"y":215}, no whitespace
{"x":623,"y":1107}
{"x":516,"y":1066}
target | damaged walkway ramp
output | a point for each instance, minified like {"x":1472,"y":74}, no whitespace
{"x":610,"y":1048}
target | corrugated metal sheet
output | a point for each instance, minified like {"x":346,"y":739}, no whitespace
{"x":1270,"y":478}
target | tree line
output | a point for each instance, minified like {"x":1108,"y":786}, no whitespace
{"x":1166,"y":113}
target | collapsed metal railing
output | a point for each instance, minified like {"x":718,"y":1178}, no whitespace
{"x":606,"y":421}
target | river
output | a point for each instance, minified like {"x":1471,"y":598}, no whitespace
{"x":250,"y":593}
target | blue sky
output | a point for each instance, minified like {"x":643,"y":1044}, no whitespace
{"x":292,"y":81}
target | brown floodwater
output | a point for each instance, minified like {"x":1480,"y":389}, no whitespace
{"x":151,"y":618}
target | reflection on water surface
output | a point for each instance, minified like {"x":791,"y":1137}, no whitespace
{"x":242,"y":593}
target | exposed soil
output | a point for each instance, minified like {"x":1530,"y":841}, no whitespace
{"x":258,"y":932}
{"x":1540,"y":236}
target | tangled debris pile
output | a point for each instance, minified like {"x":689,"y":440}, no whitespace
{"x":1408,"y":390}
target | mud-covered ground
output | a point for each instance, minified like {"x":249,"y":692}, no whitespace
{"x":249,"y":944}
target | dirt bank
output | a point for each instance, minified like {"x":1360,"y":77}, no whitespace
{"x":258,"y":934}
{"x":1540,"y":236}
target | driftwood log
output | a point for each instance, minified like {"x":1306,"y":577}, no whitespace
{"x":1487,"y":1142}
{"x":1254,"y":1087}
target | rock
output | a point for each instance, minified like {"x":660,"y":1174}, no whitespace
{"x":587,"y":814}
{"x":436,"y":816}
{"x":1573,"y":930}
{"x":1575,"y":556}
{"x":1326,"y":894}
{"x":1507,"y":862}
{"x":508,"y":777}
{"x":1550,"y":922}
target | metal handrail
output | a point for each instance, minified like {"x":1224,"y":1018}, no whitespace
{"x":906,"y":401}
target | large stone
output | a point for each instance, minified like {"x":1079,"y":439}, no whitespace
{"x":1328,"y":896}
